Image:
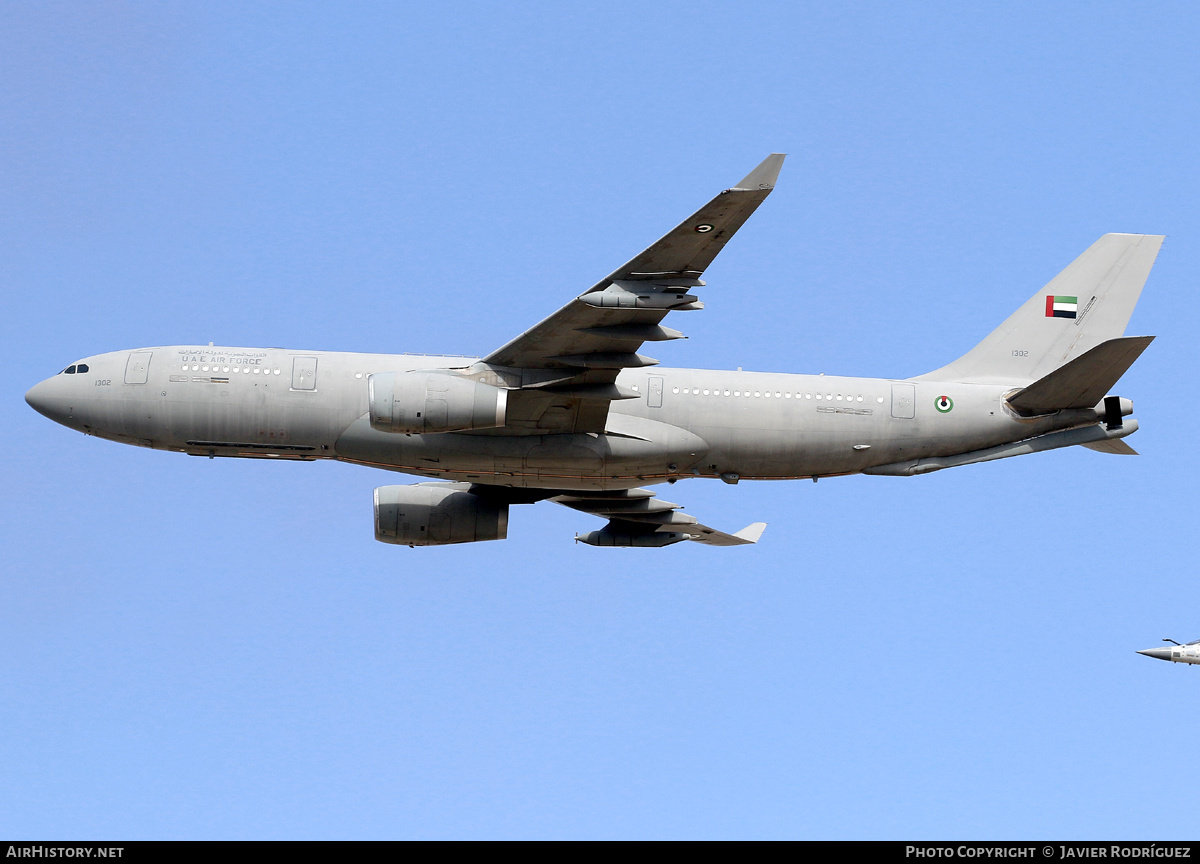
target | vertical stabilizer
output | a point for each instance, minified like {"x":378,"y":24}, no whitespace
{"x":1088,"y":303}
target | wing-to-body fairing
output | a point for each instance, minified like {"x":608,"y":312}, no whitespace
{"x":574,"y":412}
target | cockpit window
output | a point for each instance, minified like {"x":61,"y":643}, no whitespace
{"x":70,"y":370}
{"x":1193,"y":642}
{"x":81,"y":368}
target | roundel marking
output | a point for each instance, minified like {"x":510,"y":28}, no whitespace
{"x":943,"y":404}
{"x":703,"y":228}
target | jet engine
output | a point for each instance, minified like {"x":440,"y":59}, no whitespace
{"x":436,"y":514}
{"x":423,"y":402}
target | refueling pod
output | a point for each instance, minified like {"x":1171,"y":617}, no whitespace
{"x":436,"y":514}
{"x":424,"y":402}
{"x":605,"y":537}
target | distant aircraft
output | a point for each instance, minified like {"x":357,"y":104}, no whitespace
{"x":570,"y":412}
{"x":1188,"y":653}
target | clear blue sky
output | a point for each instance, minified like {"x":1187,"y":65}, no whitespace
{"x":196,"y":648}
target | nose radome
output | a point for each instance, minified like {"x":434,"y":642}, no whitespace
{"x":1157,"y":653}
{"x":37,"y":397}
{"x":42,"y":398}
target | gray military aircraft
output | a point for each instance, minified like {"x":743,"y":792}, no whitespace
{"x":571,"y":412}
{"x":1187,"y":653}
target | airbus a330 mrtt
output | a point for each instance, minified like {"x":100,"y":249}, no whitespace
{"x":570,"y":411}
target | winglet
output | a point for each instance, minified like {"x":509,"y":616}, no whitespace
{"x":751,"y":533}
{"x":765,"y":175}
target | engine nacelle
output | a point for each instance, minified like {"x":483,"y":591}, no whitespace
{"x":436,"y":514}
{"x":423,"y":402}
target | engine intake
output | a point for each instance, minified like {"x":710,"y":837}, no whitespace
{"x":425,"y":402}
{"x":436,"y":514}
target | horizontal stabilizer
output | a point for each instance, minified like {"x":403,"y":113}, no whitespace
{"x":1115,"y":446}
{"x":1084,"y":381}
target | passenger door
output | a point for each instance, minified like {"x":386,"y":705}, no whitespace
{"x":137,"y":368}
{"x":304,"y":373}
{"x":654,"y":392}
{"x":904,"y":401}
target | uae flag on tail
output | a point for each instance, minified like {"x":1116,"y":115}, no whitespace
{"x":1058,"y":306}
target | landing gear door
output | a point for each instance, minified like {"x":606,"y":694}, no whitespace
{"x":654,"y":392}
{"x":904,"y":401}
{"x":137,"y":369}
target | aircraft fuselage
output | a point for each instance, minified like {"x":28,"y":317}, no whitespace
{"x":286,"y":404}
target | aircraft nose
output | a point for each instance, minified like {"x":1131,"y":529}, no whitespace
{"x":1157,"y":653}
{"x":43,"y":399}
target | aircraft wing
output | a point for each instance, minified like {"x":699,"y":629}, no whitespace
{"x":565,"y":368}
{"x":636,"y":517}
